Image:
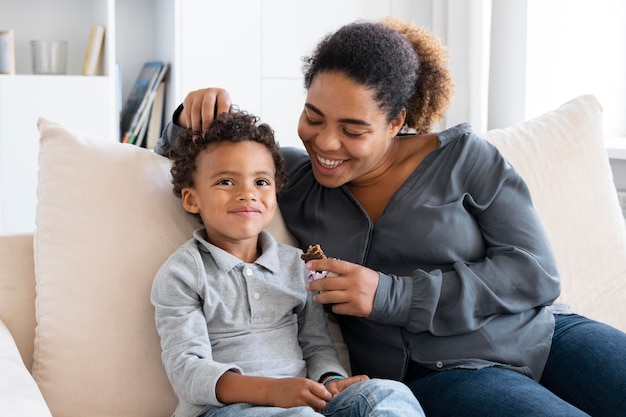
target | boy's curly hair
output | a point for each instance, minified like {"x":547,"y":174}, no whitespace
{"x":404,"y":65}
{"x":235,"y":126}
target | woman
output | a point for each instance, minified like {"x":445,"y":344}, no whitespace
{"x":446,"y":276}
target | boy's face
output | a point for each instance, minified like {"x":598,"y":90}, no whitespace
{"x":234,"y":191}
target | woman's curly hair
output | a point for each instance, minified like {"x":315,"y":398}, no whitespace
{"x":405,"y":65}
{"x":235,"y":126}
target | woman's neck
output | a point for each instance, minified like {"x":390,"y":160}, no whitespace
{"x":375,"y":192}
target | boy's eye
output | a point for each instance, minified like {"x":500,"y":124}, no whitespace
{"x":224,"y":182}
{"x":262,"y":182}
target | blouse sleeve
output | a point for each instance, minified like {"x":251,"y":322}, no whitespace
{"x":169,"y":135}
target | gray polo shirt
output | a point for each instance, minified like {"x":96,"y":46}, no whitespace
{"x":215,"y":313}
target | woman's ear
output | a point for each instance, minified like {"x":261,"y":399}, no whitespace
{"x":397,"y":122}
{"x":190,"y":200}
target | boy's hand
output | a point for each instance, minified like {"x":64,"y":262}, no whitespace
{"x":337,"y":385}
{"x":294,"y":392}
{"x":233,"y":387}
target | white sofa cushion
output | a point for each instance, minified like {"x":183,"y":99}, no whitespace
{"x":562,"y":157}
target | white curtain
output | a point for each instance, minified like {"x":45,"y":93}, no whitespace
{"x":486,"y":43}
{"x":464,"y":27}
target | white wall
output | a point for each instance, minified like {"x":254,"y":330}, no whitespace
{"x":254,"y":49}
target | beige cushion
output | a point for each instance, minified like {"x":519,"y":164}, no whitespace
{"x":106,"y":220}
{"x":562,"y":157}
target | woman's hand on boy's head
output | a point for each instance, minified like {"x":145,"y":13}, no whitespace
{"x":200,"y":107}
{"x":351,"y":292}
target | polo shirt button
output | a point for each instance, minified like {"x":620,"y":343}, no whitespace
{"x":439,"y":364}
{"x":248,"y":272}
{"x":257,"y":295}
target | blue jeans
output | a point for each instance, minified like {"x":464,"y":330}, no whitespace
{"x":374,"y":397}
{"x":585,"y":375}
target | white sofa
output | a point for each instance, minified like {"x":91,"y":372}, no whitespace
{"x":77,"y":335}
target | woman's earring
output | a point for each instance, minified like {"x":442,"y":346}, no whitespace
{"x":405,"y":130}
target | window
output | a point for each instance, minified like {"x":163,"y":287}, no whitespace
{"x":577,"y":47}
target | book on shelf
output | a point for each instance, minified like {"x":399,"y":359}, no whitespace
{"x":155,"y":124}
{"x":136,"y":110}
{"x":151,"y":129}
{"x":138,"y":138}
{"x":94,"y":50}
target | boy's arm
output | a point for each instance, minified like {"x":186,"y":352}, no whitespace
{"x":233,"y":388}
{"x":186,"y":347}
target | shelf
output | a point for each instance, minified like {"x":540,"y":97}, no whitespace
{"x":136,"y":31}
{"x":69,"y":20}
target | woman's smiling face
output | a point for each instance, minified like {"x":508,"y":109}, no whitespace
{"x":346,"y":134}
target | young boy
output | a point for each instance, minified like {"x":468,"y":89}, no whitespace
{"x":240,"y":336}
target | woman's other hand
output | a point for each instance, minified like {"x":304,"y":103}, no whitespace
{"x":337,"y":385}
{"x":351,"y":292}
{"x":200,"y":108}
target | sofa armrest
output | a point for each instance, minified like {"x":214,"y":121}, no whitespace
{"x":19,"y":394}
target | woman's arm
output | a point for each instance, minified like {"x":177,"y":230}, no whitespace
{"x":515,"y":270}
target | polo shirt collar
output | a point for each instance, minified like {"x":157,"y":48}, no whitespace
{"x":224,"y":261}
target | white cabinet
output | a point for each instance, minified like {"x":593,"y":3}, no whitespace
{"x":68,"y":20}
{"x":87,"y":103}
{"x":80,"y":102}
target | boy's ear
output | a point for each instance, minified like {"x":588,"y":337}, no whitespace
{"x":189,"y":200}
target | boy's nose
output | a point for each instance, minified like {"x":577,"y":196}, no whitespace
{"x":247,"y":193}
